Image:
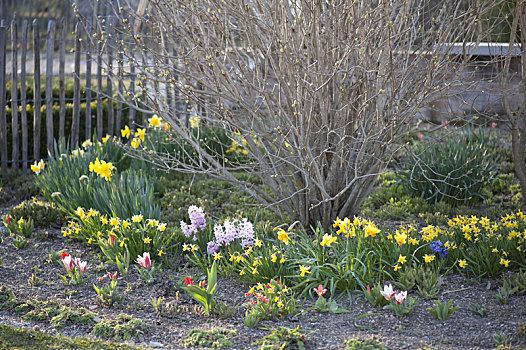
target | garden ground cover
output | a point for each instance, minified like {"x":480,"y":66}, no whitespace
{"x":162,"y":315}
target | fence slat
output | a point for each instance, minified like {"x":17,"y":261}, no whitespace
{"x":88,"y":82}
{"x":14,"y":94}
{"x":36,"y":92}
{"x":3,"y":120}
{"x":49,"y":85}
{"x":76,"y":91}
{"x":23,"y":109}
{"x":131,"y":114}
{"x":99,"y":81}
{"x":62,"y":81}
{"x":109,"y":74}
{"x":118,"y":116}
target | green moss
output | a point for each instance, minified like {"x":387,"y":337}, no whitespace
{"x":20,"y":339}
{"x":282,"y":338}
{"x":212,"y":339}
{"x":44,"y":214}
{"x":124,"y":327}
{"x":367,"y":344}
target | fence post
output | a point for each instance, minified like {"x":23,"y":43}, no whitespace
{"x":118,"y":116}
{"x":61,"y":81}
{"x":14,"y":94}
{"x":3,"y":120}
{"x":49,"y":85}
{"x":76,"y":91}
{"x":99,"y":80}
{"x":23,"y":110}
{"x":36,"y":92}
{"x":109,"y":73}
{"x":88,"y":81}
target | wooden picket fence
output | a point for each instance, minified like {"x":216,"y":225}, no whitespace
{"x":93,"y":65}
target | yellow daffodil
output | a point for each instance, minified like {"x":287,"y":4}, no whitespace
{"x":304,"y":270}
{"x":504,"y":262}
{"x":106,"y":138}
{"x":125,"y":132}
{"x":400,"y":238}
{"x":125,"y":224}
{"x":140,"y":134}
{"x":402,"y":259}
{"x":160,"y":253}
{"x":282,"y":260}
{"x":429,"y":258}
{"x":161,"y":227}
{"x":273,"y":257}
{"x":328,"y":240}
{"x":137,"y":218}
{"x":37,"y":167}
{"x":135,"y":143}
{"x":462,"y":263}
{"x":397,"y":267}
{"x":186,"y":247}
{"x":257,"y":242}
{"x":371,"y":230}
{"x":217,"y":256}
{"x":155,"y":121}
{"x":283,"y":236}
{"x":147,"y":240}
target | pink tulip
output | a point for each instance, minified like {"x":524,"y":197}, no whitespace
{"x":493,"y":125}
{"x":400,"y":297}
{"x":82,"y":265}
{"x":320,"y":291}
{"x":68,"y":262}
{"x":144,"y":261}
{"x":388,"y":292}
{"x":420,"y":136}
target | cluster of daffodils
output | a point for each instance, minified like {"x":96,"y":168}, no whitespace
{"x":136,"y":233}
{"x":349,"y":229}
{"x":101,"y":168}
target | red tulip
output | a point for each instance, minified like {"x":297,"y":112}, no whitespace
{"x":68,"y":262}
{"x":112,"y":275}
{"x":188,"y":281}
{"x":111,"y":240}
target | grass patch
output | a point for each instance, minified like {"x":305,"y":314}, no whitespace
{"x":19,"y":339}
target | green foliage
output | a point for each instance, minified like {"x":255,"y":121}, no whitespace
{"x":427,"y":282}
{"x":403,"y":308}
{"x":68,"y":182}
{"x":519,"y":281}
{"x":7,"y":298}
{"x":17,"y":185}
{"x":479,"y":309}
{"x":442,"y":311}
{"x":366,"y":344}
{"x":43,"y":214}
{"x":204,"y":294}
{"x":374,"y":297}
{"x":328,"y":306}
{"x":218,"y":338}
{"x":455,"y":170}
{"x":283,"y":338}
{"x":123,"y":327}
{"x":219,"y":198}
{"x":19,"y":242}
{"x":107,"y":294}
{"x":502,"y":340}
{"x":16,"y":338}
{"x":504,"y":292}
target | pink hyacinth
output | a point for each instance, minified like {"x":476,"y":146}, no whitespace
{"x":197,"y":217}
